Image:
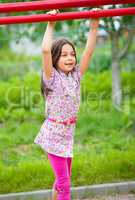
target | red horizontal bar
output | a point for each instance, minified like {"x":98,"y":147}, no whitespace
{"x":57,"y":4}
{"x":67,"y":16}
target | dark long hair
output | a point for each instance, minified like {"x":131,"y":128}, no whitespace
{"x":56,"y":52}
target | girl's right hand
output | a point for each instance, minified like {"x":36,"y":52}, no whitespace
{"x":53,"y":12}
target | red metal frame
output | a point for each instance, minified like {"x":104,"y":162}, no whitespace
{"x":67,"y":16}
{"x":57,"y":4}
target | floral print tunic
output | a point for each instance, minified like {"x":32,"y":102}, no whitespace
{"x":62,"y":93}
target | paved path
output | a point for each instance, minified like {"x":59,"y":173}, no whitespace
{"x":116,"y":197}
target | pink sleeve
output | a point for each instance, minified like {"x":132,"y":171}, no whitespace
{"x":77,"y":73}
{"x":50,"y":83}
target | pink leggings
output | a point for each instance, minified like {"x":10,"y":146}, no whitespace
{"x":62,"y":170}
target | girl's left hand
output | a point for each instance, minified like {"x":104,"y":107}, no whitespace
{"x":94,"y":23}
{"x":53,"y":12}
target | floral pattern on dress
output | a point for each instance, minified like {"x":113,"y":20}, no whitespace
{"x":62,"y":94}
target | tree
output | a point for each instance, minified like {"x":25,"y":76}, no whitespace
{"x":121,"y":39}
{"x":121,"y":33}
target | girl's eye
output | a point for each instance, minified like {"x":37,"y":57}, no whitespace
{"x":67,"y":55}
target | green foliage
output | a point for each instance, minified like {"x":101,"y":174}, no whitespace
{"x":12,"y":64}
{"x":4,"y":37}
{"x":101,"y":64}
{"x":96,"y":87}
{"x":128,"y":79}
{"x":25,"y":92}
{"x":99,"y":86}
{"x":3,"y":88}
{"x":20,"y":92}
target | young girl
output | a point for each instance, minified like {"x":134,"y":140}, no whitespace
{"x":61,"y":87}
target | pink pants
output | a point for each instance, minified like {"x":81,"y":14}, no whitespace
{"x":62,"y":170}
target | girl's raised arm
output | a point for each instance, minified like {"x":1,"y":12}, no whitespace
{"x":46,"y":48}
{"x":90,"y":46}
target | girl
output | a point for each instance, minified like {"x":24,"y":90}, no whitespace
{"x":60,"y":86}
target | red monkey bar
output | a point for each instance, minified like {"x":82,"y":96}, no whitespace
{"x":57,"y":4}
{"x":67,"y":16}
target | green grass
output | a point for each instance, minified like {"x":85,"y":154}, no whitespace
{"x":104,"y":151}
{"x":88,"y":168}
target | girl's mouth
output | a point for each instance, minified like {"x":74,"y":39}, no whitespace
{"x":69,"y":64}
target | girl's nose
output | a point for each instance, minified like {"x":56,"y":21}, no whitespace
{"x":69,"y":57}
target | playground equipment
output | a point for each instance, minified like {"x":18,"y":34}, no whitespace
{"x":55,"y":4}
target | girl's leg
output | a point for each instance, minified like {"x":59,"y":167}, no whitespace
{"x":55,"y":193}
{"x":69,"y":162}
{"x":60,"y":167}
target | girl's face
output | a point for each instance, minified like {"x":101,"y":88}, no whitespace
{"x":67,"y":59}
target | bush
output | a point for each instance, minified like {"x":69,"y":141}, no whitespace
{"x":128,"y":79}
{"x":18,"y":92}
{"x":12,"y":64}
{"x":25,"y":92}
{"x":96,"y":86}
{"x":100,"y":85}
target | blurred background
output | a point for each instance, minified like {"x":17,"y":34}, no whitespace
{"x":104,"y":148}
